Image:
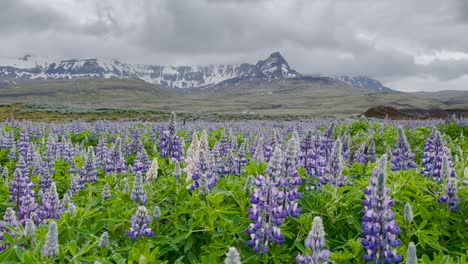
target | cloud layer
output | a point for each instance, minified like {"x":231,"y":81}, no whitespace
{"x":409,"y":45}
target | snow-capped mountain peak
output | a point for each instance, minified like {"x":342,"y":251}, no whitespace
{"x":275,"y":67}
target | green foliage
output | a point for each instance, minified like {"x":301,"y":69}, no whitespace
{"x":196,"y":230}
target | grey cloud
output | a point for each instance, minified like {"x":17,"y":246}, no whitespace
{"x":362,"y":37}
{"x":18,"y":16}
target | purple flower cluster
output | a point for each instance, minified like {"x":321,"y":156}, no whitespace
{"x":315,"y":245}
{"x":378,"y":222}
{"x":204,"y":175}
{"x":267,"y":214}
{"x":434,"y":151}
{"x":138,"y":193}
{"x":142,"y":162}
{"x":366,"y":152}
{"x":345,"y":147}
{"x":169,"y":143}
{"x":292,"y":180}
{"x":360,"y":154}
{"x":89,"y":171}
{"x":22,"y":193}
{"x":115,"y":161}
{"x":402,"y":157}
{"x":52,"y":207}
{"x":9,"y":218}
{"x":140,"y":222}
{"x":314,"y":154}
{"x":335,"y":175}
{"x":451,"y":194}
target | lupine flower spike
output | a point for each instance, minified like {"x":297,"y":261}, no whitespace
{"x":411,"y":256}
{"x":138,"y":193}
{"x":232,"y":256}
{"x":315,"y":245}
{"x":378,"y":221}
{"x":51,"y":246}
{"x":140,"y":222}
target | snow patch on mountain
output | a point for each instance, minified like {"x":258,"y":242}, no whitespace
{"x":275,"y":67}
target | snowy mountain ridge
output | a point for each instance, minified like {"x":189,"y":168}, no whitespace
{"x":275,"y":67}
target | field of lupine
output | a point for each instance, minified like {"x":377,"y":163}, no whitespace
{"x":342,"y":191}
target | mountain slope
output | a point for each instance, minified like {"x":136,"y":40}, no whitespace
{"x":363,"y":82}
{"x":275,"y":67}
{"x":450,"y":98}
{"x":319,"y":96}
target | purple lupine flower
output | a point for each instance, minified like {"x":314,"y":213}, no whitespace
{"x":52,"y":207}
{"x":101,"y":150}
{"x":170,"y":144}
{"x":327,"y":142}
{"x":115,"y":161}
{"x":360,"y":154}
{"x":8,"y":140}
{"x":240,"y":160}
{"x":20,"y":185}
{"x":345,"y":147}
{"x":73,"y":167}
{"x":451,"y":194}
{"x":203,"y":172}
{"x":89,"y":171}
{"x":275,"y":167}
{"x":313,"y":155}
{"x":266,"y":213}
{"x":46,"y":179}
{"x":23,"y":167}
{"x":138,"y":193}
{"x":378,"y":222}
{"x":51,"y":150}
{"x":269,"y":146}
{"x":106,"y":192}
{"x":38,"y":165}
{"x":12,"y":154}
{"x":335,"y":175}
{"x":306,"y":145}
{"x":223,"y":144}
{"x":371,"y":155}
{"x":28,"y":209}
{"x":23,"y":143}
{"x":30,"y":155}
{"x":9,"y":218}
{"x":315,"y":245}
{"x":233,"y":141}
{"x":68,"y":151}
{"x":402,"y":157}
{"x":142,"y":162}
{"x":317,"y":163}
{"x":434,"y":150}
{"x":258,"y":153}
{"x":218,"y":161}
{"x":293,"y":179}
{"x":76,"y":184}
{"x":140,"y":222}
{"x":228,"y":167}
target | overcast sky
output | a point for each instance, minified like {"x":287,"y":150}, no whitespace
{"x":408,"y":45}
